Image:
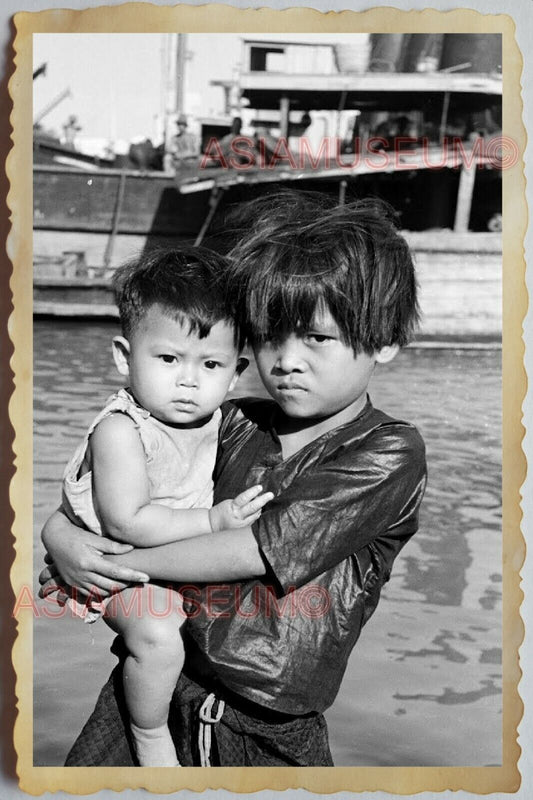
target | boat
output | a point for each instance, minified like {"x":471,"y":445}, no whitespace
{"x":445,"y":186}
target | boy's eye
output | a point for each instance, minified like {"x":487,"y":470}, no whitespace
{"x":318,"y":338}
{"x":167,"y":358}
{"x":211,"y":364}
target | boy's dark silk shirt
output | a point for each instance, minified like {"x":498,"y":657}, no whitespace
{"x":345,"y":504}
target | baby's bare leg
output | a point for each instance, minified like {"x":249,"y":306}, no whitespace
{"x":149,"y":619}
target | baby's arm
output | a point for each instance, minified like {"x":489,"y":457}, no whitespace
{"x":121,"y":493}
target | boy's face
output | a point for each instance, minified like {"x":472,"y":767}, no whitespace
{"x":313,"y":375}
{"x":176,"y":376}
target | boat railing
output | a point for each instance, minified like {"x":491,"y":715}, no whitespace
{"x":70,"y":266}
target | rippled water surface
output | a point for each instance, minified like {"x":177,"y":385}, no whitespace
{"x":423,"y":686}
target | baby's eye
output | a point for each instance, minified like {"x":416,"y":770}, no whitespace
{"x":211,"y":364}
{"x":167,"y":358}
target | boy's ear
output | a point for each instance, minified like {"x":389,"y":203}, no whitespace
{"x":387,"y":353}
{"x":121,"y":354}
{"x":242,"y":364}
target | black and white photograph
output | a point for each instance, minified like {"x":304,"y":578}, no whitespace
{"x":267,"y":399}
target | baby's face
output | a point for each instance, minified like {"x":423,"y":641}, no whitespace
{"x":176,"y":376}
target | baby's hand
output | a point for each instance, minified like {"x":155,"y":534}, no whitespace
{"x":239,"y":512}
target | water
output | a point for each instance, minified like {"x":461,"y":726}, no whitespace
{"x":423,"y":686}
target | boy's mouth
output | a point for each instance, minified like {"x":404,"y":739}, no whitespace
{"x":287,"y":388}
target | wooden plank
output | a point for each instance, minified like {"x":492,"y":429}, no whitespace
{"x":302,"y":168}
{"x":58,"y":309}
{"x":284,"y":110}
{"x":464,"y":198}
{"x":450,"y":242}
{"x":373,"y":82}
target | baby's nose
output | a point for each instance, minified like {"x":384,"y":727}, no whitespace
{"x":188,"y":375}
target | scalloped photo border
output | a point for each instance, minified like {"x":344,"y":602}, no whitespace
{"x":146,"y":18}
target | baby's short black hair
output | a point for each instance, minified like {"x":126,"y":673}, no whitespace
{"x":189,"y":283}
{"x":303,"y":251}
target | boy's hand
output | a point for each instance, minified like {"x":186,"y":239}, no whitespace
{"x":77,"y":558}
{"x":239,"y":512}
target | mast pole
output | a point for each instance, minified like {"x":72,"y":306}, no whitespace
{"x":180,"y":71}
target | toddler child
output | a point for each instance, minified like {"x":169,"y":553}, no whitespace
{"x":143,"y":473}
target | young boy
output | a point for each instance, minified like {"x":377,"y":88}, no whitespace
{"x":326,"y":293}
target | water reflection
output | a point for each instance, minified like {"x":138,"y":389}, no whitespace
{"x":435,"y":641}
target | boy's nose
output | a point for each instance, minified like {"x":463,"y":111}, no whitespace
{"x":289,"y":355}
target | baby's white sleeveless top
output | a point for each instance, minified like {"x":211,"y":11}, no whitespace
{"x":179,"y":467}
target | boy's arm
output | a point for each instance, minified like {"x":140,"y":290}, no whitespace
{"x":328,"y":513}
{"x":226,"y":556}
{"x":365,"y":494}
{"x":230,"y":555}
{"x":323,"y":517}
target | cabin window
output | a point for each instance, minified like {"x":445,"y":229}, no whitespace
{"x":266,"y":59}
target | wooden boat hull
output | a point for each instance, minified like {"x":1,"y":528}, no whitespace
{"x":459,"y":278}
{"x":86,"y":223}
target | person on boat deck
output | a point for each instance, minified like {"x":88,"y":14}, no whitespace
{"x":228,"y":150}
{"x":327,"y":293}
{"x":183,"y":146}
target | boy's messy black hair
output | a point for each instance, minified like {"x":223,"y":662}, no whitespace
{"x":303,"y":251}
{"x":189,"y":283}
